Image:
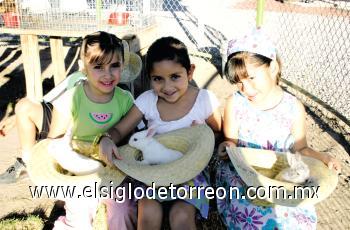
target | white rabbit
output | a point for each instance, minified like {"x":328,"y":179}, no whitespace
{"x":61,"y":150}
{"x":153,"y":151}
{"x":297,"y":172}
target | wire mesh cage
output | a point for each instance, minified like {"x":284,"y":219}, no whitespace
{"x":312,"y":39}
{"x":77,"y":15}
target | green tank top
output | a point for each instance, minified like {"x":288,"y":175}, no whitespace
{"x":91,"y":119}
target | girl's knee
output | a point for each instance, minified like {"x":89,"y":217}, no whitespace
{"x":23,"y":106}
{"x":28,"y":107}
{"x":150,"y":214}
{"x":182,"y":215}
{"x":121,"y":215}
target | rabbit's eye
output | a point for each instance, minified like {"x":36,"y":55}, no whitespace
{"x":135,"y":139}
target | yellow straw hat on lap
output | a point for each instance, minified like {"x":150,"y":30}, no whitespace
{"x":259,"y":167}
{"x":44,"y":170}
{"x":197,"y":145}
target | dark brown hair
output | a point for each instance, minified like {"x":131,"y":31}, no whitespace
{"x":167,"y":48}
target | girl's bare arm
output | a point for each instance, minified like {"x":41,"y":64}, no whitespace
{"x":230,"y":129}
{"x":215,"y":121}
{"x":300,"y":145}
{"x":126,"y":125}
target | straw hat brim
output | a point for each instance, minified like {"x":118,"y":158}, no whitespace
{"x":44,"y":170}
{"x":132,"y":67}
{"x":197,"y":145}
{"x":258,"y":167}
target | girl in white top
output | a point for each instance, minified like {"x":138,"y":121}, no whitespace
{"x":171,"y":104}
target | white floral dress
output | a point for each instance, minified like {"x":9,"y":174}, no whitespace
{"x":263,"y":130}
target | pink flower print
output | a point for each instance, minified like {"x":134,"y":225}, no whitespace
{"x":304,"y":220}
{"x":250,"y":220}
{"x":254,"y":46}
{"x":234,"y":215}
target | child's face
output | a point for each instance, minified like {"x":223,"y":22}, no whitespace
{"x":259,"y":86}
{"x":170,"y":79}
{"x":103,"y":78}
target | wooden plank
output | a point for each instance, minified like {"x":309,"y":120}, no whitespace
{"x":31,"y":64}
{"x":57,"y":55}
{"x":120,"y":31}
{"x":146,"y":35}
{"x":45,"y":32}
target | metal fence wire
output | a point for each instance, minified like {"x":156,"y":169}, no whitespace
{"x":312,"y":37}
{"x":78,"y":15}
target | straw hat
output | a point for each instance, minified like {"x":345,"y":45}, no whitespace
{"x":197,"y":145}
{"x":132,"y":65}
{"x":258,"y":167}
{"x":44,"y":170}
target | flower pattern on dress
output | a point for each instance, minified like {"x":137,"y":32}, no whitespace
{"x":304,"y":220}
{"x":234,"y":215}
{"x":250,"y":220}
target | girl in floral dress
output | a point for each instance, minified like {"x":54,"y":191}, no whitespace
{"x":261,"y":115}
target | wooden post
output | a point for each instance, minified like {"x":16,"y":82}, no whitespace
{"x":57,"y":55}
{"x":31,"y":64}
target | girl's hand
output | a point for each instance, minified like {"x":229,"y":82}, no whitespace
{"x":331,"y":162}
{"x":222,"y":149}
{"x":107,"y":150}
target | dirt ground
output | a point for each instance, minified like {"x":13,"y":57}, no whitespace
{"x":333,"y":213}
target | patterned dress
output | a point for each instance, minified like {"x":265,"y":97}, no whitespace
{"x":262,"y":130}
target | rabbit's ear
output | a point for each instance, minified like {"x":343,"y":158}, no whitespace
{"x":290,"y":158}
{"x":151,"y":132}
{"x":293,"y":160}
{"x":298,"y":157}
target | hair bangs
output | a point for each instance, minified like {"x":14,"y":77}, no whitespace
{"x":96,"y":56}
{"x":235,"y":68}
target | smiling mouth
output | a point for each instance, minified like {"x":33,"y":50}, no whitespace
{"x":170,"y":94}
{"x":108,"y":84}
